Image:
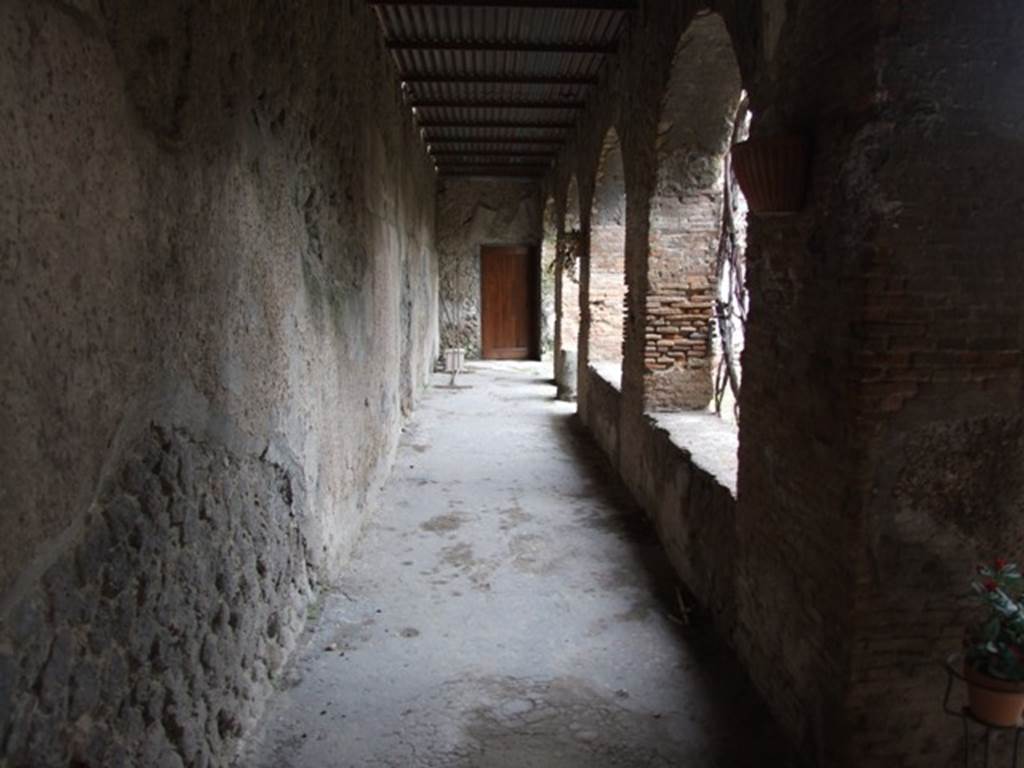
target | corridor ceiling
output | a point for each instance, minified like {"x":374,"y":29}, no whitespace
{"x":496,"y":85}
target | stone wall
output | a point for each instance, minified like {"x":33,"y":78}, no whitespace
{"x":218,"y":294}
{"x":883,"y":352}
{"x":472,"y":213}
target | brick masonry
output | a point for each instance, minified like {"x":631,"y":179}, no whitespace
{"x":605,"y":259}
{"x":879,"y":450}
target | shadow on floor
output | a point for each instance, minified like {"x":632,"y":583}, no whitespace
{"x":754,"y":739}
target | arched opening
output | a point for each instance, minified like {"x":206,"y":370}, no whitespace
{"x":607,"y":262}
{"x":696,"y":302}
{"x":567,"y":294}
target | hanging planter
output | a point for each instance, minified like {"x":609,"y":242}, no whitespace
{"x":772,"y":172}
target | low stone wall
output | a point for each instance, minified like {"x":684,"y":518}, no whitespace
{"x":681,"y":469}
{"x":599,"y":410}
{"x":678,"y":468}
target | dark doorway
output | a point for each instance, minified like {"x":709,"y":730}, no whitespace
{"x":509,"y":299}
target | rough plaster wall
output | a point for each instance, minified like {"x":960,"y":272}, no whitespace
{"x":472,"y":213}
{"x":216,"y":230}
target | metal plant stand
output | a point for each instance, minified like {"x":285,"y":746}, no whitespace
{"x":953,"y":666}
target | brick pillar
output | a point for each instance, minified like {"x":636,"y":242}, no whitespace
{"x":882,"y":418}
{"x":939,"y":366}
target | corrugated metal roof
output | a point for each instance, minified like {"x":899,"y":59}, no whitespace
{"x":465,"y":83}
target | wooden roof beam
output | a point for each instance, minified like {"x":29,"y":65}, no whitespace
{"x":494,"y":104}
{"x":427,"y":77}
{"x":444,"y":157}
{"x":490,"y":140}
{"x":575,"y":5}
{"x":458,"y":165}
{"x":499,"y":45}
{"x":493,"y":124}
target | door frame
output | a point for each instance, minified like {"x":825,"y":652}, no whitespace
{"x":534,"y":284}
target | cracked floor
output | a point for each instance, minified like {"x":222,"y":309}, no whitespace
{"x":508,"y":608}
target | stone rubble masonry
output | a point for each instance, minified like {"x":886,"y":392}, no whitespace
{"x":156,"y":638}
{"x":880,"y":421}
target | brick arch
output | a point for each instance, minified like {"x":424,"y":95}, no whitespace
{"x":605,"y":265}
{"x":695,"y":124}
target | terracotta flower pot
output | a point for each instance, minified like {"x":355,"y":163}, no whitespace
{"x":994,"y":701}
{"x":772,"y":172}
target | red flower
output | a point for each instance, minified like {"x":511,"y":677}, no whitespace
{"x":990,"y":585}
{"x":1000,"y":563}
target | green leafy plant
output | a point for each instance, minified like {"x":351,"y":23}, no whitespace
{"x":995,"y":645}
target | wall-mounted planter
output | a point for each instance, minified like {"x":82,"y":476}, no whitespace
{"x":772,"y":172}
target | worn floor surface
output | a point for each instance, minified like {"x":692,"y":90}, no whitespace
{"x":508,"y":608}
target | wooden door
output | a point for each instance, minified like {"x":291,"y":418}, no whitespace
{"x":509,"y":310}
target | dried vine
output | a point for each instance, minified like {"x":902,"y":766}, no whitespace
{"x":567,"y":254}
{"x":731,"y":300}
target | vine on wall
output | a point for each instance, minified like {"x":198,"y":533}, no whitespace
{"x":731,"y":301}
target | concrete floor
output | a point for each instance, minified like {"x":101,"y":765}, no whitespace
{"x":508,"y":608}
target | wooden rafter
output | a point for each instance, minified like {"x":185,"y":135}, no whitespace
{"x":500,"y":45}
{"x":493,"y":124}
{"x":490,"y":140}
{"x":494,"y":104}
{"x":512,"y":79}
{"x":490,"y":153}
{"x":580,"y":5}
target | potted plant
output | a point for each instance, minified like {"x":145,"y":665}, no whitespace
{"x":994,"y":646}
